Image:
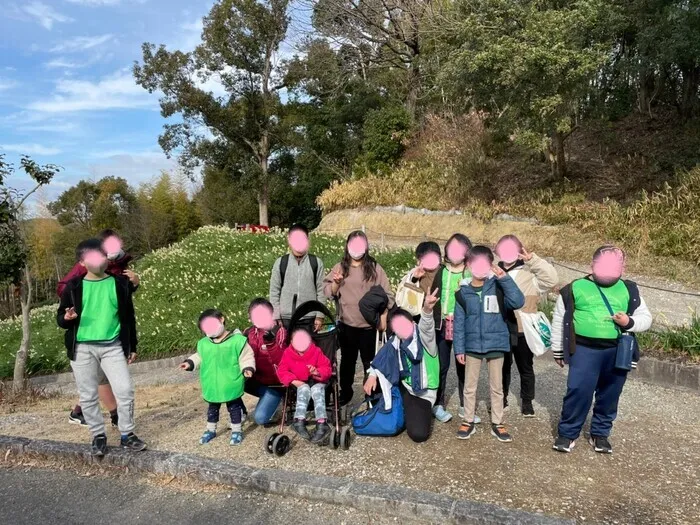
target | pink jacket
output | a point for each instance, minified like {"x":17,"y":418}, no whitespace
{"x":295,"y":366}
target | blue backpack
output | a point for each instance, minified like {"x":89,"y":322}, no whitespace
{"x":377,"y":421}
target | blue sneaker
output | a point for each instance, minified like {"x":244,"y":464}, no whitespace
{"x":442,"y":415}
{"x":207,"y":437}
{"x":236,"y":438}
{"x":462,"y":416}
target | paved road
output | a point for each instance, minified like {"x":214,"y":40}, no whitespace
{"x":45,"y":496}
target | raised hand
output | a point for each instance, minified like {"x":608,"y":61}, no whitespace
{"x":525,"y":254}
{"x":418,"y":272}
{"x":497,"y":271}
{"x":430,"y":301}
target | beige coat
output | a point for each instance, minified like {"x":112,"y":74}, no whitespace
{"x":534,"y":278}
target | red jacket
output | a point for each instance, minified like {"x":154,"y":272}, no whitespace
{"x":295,"y":366}
{"x":113,"y":268}
{"x":268,"y":354}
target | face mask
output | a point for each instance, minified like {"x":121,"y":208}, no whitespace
{"x":115,"y":256}
{"x":357,"y":248}
{"x":212,"y":327}
{"x":95,"y":262}
{"x":480,"y":268}
{"x":113,"y":247}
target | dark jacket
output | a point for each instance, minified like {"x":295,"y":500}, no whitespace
{"x":116,"y":267}
{"x":373,"y":304}
{"x":73,"y":297}
{"x":480,"y":332}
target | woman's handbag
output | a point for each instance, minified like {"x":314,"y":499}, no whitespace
{"x":375,"y":420}
{"x":626,"y":343}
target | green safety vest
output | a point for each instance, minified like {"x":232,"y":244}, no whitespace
{"x":220,"y":372}
{"x":591,"y":316}
{"x":432,"y":367}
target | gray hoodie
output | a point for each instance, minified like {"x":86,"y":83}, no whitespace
{"x":299,"y":283}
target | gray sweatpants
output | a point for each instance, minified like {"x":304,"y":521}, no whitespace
{"x":89,"y":358}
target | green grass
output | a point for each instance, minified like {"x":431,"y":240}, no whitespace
{"x":219,"y":267}
{"x":215,"y":267}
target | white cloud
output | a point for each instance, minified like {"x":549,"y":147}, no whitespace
{"x":51,"y":127}
{"x":30,"y":149}
{"x":62,"y":63}
{"x":81,"y":43}
{"x":117,"y":91}
{"x":45,"y":14}
{"x":135,"y":167}
{"x":7,"y":84}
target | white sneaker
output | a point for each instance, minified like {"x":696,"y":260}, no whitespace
{"x":461,"y":413}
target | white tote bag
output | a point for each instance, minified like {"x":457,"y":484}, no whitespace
{"x":410,"y":297}
{"x":538,"y":332}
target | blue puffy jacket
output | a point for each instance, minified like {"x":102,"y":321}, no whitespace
{"x":477,"y":331}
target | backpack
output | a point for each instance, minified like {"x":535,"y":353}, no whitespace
{"x":284,"y":262}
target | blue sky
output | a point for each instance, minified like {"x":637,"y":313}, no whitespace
{"x":67,"y":95}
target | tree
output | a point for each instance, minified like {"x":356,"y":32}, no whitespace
{"x":13,"y":252}
{"x":240,"y":46}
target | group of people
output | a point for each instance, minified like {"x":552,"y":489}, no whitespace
{"x":472,"y":305}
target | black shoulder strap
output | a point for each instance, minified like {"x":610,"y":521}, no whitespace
{"x":314,"y":267}
{"x":284,"y":262}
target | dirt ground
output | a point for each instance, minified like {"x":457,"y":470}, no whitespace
{"x":653,"y":476}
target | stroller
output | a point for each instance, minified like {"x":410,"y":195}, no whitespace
{"x":340,"y":437}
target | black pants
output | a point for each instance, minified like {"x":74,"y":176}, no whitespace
{"x":235,"y":410}
{"x":418,"y":414}
{"x":445,"y":356}
{"x":353,"y":341}
{"x":523,"y":360}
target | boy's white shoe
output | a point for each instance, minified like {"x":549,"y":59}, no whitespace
{"x":461,"y":413}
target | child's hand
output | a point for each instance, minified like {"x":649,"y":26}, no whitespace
{"x":184,"y":366}
{"x":461,"y":359}
{"x":621,"y":319}
{"x":497,"y":271}
{"x":297,"y":383}
{"x":312,"y":370}
{"x":430,"y":301}
{"x":248,"y":374}
{"x":70,"y":314}
{"x":525,"y":254}
{"x":370,"y":385}
{"x":419,"y":272}
{"x":132,"y":358}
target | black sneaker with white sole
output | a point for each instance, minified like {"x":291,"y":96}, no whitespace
{"x":133,"y":443}
{"x":562,"y":444}
{"x":600,"y":444}
{"x":527,"y":409}
{"x":99,"y":445}
{"x":76,"y":418}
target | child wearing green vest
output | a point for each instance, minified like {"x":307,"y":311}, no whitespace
{"x":225,"y":361}
{"x":589,"y":317}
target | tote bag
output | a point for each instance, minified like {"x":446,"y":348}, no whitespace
{"x":410,"y":297}
{"x":538,"y":332}
{"x":376,"y":420}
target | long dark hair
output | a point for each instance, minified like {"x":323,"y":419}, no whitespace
{"x":369,"y":265}
{"x":462,"y":239}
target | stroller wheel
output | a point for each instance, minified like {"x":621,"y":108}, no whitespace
{"x":268,"y":441}
{"x":281,"y":445}
{"x":345,"y":438}
{"x":334,"y":438}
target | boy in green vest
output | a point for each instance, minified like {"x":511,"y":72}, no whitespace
{"x":590,"y":315}
{"x":225,"y":361}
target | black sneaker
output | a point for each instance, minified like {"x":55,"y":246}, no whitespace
{"x":299,"y":427}
{"x":501,"y":434}
{"x":527,"y":409}
{"x":562,"y":444}
{"x":114,"y":416}
{"x":600,"y":444}
{"x":99,"y":445}
{"x":76,"y":418}
{"x":133,"y":443}
{"x":320,"y":433}
{"x":466,"y":430}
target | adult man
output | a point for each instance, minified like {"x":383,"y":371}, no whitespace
{"x":297,"y":277}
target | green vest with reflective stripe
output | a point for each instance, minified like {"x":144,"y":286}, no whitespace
{"x":591,"y":316}
{"x":432,"y":368}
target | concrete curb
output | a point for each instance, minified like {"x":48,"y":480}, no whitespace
{"x":399,"y":501}
{"x":668,"y":373}
{"x":66,"y":378}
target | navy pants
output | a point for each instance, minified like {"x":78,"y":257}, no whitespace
{"x":592,"y":373}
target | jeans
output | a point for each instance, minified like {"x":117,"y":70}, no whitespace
{"x":89,"y":358}
{"x":591,"y":372}
{"x":353,"y":341}
{"x":269,"y":398}
{"x":304,"y":394}
{"x":523,"y":360}
{"x":235,"y":410}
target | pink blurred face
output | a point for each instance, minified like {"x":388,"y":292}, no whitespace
{"x":212,"y":327}
{"x":430,"y":261}
{"x":480,"y":267}
{"x":298,"y":241}
{"x":456,"y":252}
{"x":402,"y":327}
{"x":301,"y":341}
{"x":261,"y":317}
{"x":357,"y":247}
{"x":508,"y":251}
{"x":112,"y":246}
{"x":95,"y":261}
{"x":609,"y":266}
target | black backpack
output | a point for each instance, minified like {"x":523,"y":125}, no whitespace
{"x":284,"y":262}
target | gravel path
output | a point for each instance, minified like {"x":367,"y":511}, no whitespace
{"x":653,"y":476}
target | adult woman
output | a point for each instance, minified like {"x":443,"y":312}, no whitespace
{"x":534,"y":276}
{"x":347,"y":284}
{"x":447,"y":282}
{"x":410,"y":361}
